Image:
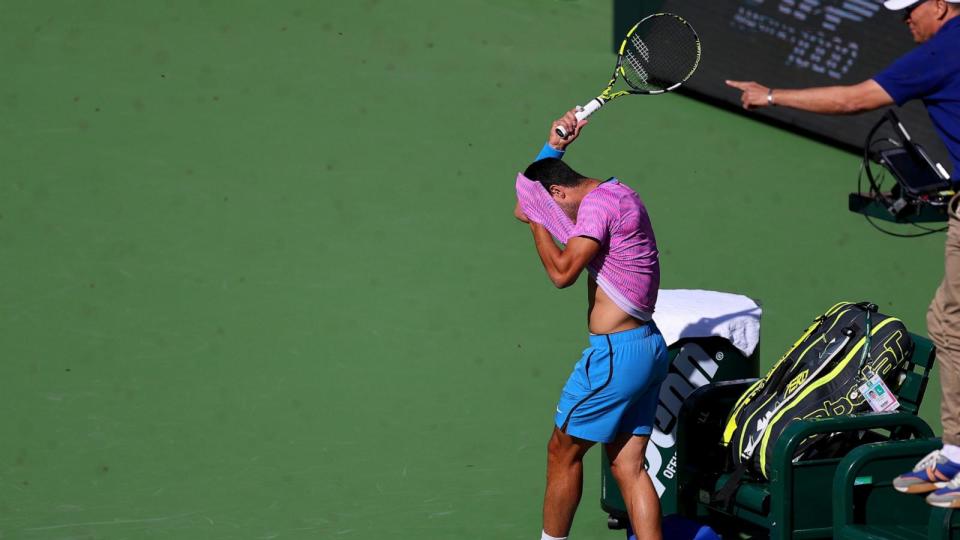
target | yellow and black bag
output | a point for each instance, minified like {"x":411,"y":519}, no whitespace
{"x":818,"y":377}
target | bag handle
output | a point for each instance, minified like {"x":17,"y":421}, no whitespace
{"x":870,"y":308}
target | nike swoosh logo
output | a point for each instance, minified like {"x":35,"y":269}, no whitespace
{"x":559,"y":411}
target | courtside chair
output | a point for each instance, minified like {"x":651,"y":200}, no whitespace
{"x":867,"y":507}
{"x":797,"y":500}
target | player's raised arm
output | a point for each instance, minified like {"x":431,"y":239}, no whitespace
{"x":570,"y":125}
{"x":557,"y":145}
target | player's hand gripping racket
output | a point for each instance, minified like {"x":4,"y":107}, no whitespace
{"x":658,"y":55}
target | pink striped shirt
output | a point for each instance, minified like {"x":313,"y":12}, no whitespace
{"x":627,"y":267}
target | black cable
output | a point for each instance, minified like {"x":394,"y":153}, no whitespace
{"x":875,"y":190}
{"x":875,"y":186}
{"x":929,"y":230}
{"x":899,"y":235}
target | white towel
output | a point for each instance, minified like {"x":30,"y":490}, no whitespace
{"x":690,"y":313}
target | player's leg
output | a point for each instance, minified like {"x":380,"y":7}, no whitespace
{"x":645,"y":367}
{"x":573,"y":435}
{"x":564,"y":482}
{"x":626,"y":454}
{"x":599,"y":395}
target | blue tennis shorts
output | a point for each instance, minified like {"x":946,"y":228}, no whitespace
{"x":615,"y":386}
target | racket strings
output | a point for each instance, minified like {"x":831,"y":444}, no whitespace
{"x":662,"y":52}
{"x":640,"y":47}
{"x":638,"y":72}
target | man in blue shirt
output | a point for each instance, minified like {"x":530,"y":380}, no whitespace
{"x":930,"y":73}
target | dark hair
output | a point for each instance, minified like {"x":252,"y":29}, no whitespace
{"x":553,"y":171}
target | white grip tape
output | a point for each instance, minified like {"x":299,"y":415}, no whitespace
{"x":589,"y":109}
{"x":582,"y":114}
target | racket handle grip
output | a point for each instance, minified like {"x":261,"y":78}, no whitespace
{"x":582,"y":114}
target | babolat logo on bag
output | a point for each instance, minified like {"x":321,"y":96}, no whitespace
{"x":819,"y":377}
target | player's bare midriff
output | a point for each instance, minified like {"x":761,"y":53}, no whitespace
{"x":603,"y":315}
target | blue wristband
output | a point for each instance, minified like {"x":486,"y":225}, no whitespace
{"x":549,"y":152}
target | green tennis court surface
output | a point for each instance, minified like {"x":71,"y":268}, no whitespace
{"x":261,"y":278}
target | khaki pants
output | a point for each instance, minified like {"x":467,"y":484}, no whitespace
{"x":943,"y":325}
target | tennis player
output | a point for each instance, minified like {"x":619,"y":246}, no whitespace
{"x":611,"y":396}
{"x":930,"y":73}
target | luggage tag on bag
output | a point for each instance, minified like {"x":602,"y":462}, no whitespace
{"x":878,"y":394}
{"x":874,"y":390}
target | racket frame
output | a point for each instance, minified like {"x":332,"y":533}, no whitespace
{"x":609,"y":95}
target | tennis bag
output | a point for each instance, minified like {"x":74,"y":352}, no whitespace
{"x":817,"y":378}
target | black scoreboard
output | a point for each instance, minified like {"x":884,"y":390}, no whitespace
{"x":794,"y":44}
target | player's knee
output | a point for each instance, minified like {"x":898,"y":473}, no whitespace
{"x":561,"y":450}
{"x":627,"y":468}
{"x":556,"y":449}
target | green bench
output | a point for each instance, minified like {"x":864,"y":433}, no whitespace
{"x":798,"y":499}
{"x":867,"y":507}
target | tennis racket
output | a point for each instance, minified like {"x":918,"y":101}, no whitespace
{"x":658,"y":55}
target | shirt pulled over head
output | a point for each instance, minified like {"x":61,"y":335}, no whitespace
{"x":627,"y":266}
